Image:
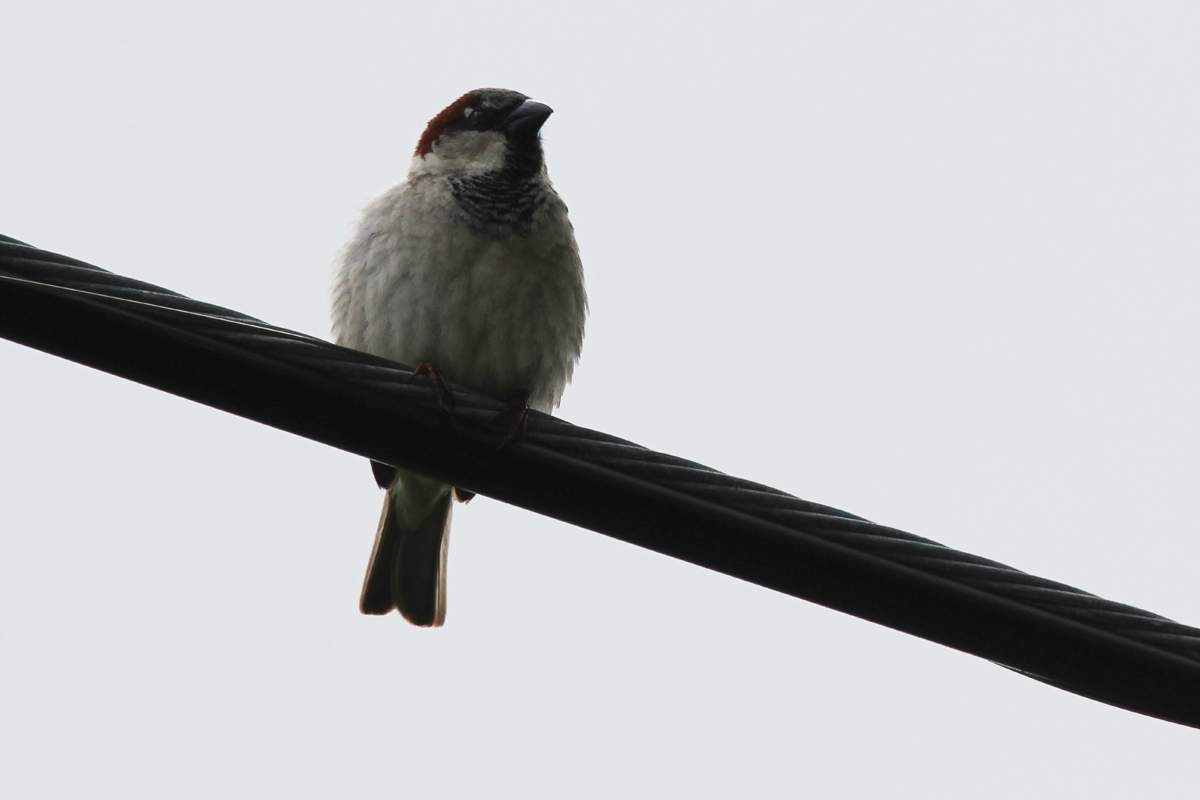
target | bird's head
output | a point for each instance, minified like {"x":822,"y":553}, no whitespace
{"x":484,"y":130}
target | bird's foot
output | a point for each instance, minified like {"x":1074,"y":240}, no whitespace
{"x":441,"y":389}
{"x":512,"y":419}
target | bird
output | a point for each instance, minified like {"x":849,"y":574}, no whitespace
{"x":469,"y":271}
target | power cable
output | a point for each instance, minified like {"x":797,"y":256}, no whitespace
{"x":1060,"y":635}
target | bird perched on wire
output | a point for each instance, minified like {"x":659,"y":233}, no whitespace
{"x":469,"y":271}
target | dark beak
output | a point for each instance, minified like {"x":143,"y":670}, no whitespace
{"x":526,"y":119}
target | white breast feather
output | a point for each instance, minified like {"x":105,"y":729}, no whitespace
{"x":417,"y":284}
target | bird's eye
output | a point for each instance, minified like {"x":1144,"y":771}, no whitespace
{"x":468,"y":111}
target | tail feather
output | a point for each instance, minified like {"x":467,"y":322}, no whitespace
{"x":377,"y":586}
{"x":408,"y":564}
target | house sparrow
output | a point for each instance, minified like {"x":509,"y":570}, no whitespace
{"x":469,"y":270}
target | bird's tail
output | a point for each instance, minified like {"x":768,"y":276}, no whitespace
{"x":408,"y":565}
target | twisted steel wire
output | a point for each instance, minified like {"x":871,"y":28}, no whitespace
{"x":23,"y":264}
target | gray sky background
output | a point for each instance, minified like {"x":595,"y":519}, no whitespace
{"x":933,"y":263}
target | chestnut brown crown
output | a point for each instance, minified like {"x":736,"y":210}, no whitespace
{"x":503,"y":110}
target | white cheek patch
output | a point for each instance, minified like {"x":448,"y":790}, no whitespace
{"x":470,"y":152}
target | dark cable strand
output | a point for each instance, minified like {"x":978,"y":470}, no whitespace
{"x":33,"y":268}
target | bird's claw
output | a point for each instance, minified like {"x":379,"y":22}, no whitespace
{"x":441,"y":389}
{"x":514,"y":418}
